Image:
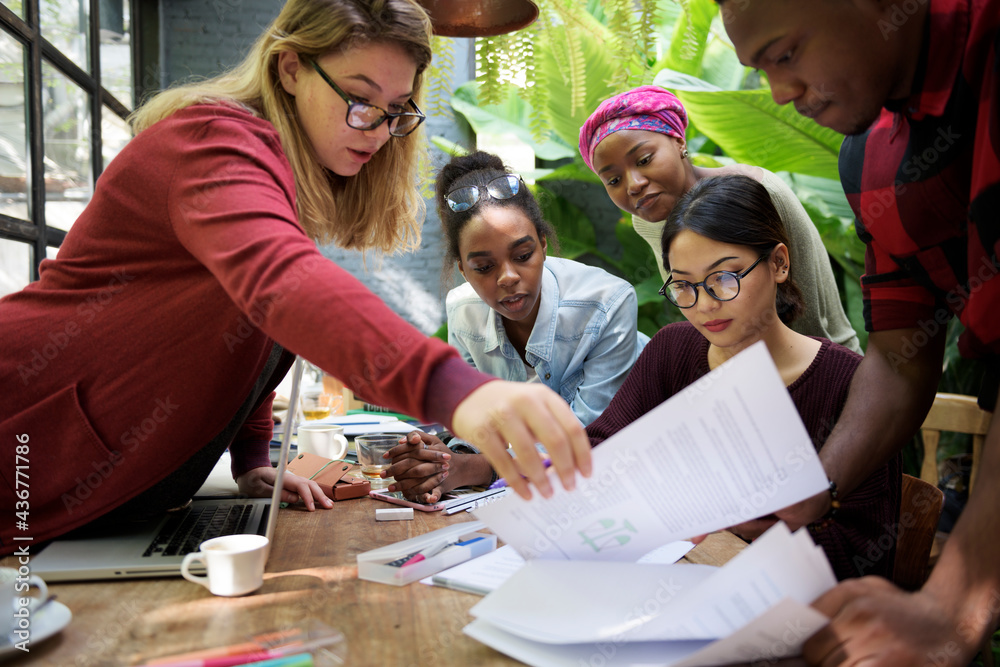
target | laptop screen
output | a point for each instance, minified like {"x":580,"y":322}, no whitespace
{"x":286,"y":439}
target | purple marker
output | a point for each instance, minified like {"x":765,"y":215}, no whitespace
{"x":500,"y":483}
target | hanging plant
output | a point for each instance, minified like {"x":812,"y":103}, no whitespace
{"x":562,"y":30}
{"x":490,"y":51}
{"x":438,"y":84}
{"x":535,"y":91}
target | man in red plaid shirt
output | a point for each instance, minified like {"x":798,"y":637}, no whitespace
{"x":915,"y":86}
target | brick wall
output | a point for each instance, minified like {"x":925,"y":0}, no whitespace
{"x":201,"y":39}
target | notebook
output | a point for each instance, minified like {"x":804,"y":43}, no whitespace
{"x":157,"y":547}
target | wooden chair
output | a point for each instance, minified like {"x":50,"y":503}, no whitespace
{"x":919,"y":511}
{"x":960,"y":414}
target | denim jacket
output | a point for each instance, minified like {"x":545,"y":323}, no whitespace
{"x":582,"y":346}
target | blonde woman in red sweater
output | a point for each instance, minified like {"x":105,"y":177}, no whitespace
{"x":154,"y":340}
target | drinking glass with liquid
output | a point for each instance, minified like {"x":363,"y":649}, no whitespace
{"x":370,"y":448}
{"x":317,"y":400}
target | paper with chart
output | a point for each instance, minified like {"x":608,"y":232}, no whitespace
{"x":754,"y":608}
{"x":729,"y":448}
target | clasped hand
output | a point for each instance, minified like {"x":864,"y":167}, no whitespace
{"x":425,"y":469}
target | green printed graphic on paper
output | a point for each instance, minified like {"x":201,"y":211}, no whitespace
{"x":606,"y":534}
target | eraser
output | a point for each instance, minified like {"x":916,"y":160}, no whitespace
{"x":394,"y":514}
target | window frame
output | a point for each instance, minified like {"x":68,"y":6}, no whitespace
{"x":27,"y":32}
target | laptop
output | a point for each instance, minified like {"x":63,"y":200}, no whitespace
{"x":157,"y":547}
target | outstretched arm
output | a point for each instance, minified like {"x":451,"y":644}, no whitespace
{"x":890,"y":395}
{"x":949,"y":619}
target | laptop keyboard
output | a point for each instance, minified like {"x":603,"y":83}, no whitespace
{"x":188,"y":528}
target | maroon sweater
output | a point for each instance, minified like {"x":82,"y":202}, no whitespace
{"x":861,"y":538}
{"x":145,"y":335}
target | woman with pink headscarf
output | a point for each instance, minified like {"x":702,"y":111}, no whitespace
{"x":635,"y":143}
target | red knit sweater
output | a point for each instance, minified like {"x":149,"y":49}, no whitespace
{"x":145,"y":335}
{"x":861,"y":539}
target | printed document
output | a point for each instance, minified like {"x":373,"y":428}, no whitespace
{"x":488,"y":572}
{"x":555,"y":613}
{"x":729,"y":448}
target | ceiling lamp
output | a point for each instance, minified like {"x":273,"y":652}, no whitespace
{"x":479,"y":18}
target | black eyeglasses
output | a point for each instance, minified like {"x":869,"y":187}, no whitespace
{"x":362,"y":116}
{"x":721,"y":286}
{"x":502,"y":187}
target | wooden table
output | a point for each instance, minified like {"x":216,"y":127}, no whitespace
{"x":312,"y":573}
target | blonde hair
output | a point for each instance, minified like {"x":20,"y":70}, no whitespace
{"x":380,"y":208}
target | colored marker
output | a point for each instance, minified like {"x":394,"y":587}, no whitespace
{"x":277,"y":657}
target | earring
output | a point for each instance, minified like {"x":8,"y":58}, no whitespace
{"x":684,"y":153}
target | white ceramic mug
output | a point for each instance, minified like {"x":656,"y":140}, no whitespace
{"x":16,"y":605}
{"x":235,"y":564}
{"x":326,"y":440}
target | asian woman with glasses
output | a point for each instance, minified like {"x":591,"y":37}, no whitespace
{"x":521,"y":315}
{"x":727,"y":254}
{"x":152,"y":343}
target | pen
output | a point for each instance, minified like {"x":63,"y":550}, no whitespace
{"x":429,"y":552}
{"x":276,"y":657}
{"x":295,"y":654}
{"x":420,"y":556}
{"x":226,"y":660}
{"x":297,"y":660}
{"x":455,"y":586}
{"x":467,"y":542}
{"x":259,"y":645}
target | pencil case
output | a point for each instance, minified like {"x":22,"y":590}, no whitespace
{"x":380,"y":565}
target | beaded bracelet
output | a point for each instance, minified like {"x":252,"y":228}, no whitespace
{"x":834,"y":499}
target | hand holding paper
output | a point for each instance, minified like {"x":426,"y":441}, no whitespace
{"x":727,"y":449}
{"x":523,"y":414}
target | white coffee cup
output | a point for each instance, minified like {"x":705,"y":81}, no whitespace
{"x":326,"y":440}
{"x":235,"y":564}
{"x":16,"y":605}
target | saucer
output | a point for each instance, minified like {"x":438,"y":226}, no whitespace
{"x":44,"y":624}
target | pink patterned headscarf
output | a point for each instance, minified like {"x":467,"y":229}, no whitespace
{"x":644,"y":108}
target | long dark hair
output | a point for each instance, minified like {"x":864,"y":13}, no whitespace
{"x":478,"y":169}
{"x":736,"y":210}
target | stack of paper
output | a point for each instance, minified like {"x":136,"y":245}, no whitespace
{"x":487,"y":573}
{"x":367,"y":423}
{"x":575,"y":613}
{"x":727,"y":449}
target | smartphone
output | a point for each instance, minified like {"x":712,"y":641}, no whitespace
{"x":396,"y":498}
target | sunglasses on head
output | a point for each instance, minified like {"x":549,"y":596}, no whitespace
{"x":463,"y":198}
